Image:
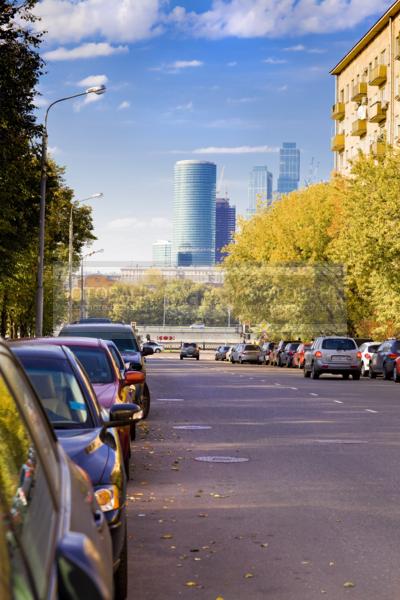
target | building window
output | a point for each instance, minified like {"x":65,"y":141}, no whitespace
{"x":347,"y":92}
{"x":383,"y":57}
{"x":341,"y":96}
{"x":397,"y":47}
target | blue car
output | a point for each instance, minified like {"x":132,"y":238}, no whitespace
{"x":86,"y":435}
{"x":54,"y":539}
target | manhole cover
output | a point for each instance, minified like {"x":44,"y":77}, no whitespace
{"x":192,"y":427}
{"x":221,"y":459}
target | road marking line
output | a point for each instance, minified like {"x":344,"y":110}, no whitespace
{"x":375,"y":412}
{"x":293,"y":388}
{"x":315,"y":395}
{"x":338,"y":401}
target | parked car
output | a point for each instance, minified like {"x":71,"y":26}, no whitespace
{"x":333,"y":354}
{"x":54,"y":538}
{"x":367,"y":350}
{"x":189,"y":350}
{"x":109,"y":385}
{"x":246,"y":353}
{"x":396,"y":371}
{"x":220,"y":353}
{"x":298,"y":358}
{"x":124,"y":338}
{"x":382,"y":360}
{"x":286,"y":357}
{"x":275,"y":356}
{"x":79,"y":422}
{"x":228,"y":355}
{"x":197,"y":326}
{"x":266,"y":350}
{"x":155,"y":346}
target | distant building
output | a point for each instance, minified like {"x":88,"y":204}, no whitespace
{"x":260,"y":188}
{"x":225,"y":225}
{"x":208,"y":275}
{"x":162,"y":250}
{"x":194,"y":213}
{"x":289,"y":168}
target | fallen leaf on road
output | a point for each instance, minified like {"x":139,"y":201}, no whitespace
{"x":219,"y":598}
{"x":306,"y":562}
{"x":194,"y":550}
{"x":264,"y":545}
{"x":167,"y":536}
{"x":332,"y":564}
{"x":191,"y":584}
{"x":204,"y":515}
{"x":248,"y":575}
{"x":349,"y":584}
{"x":197,"y":558}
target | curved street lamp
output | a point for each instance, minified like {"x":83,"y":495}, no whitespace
{"x":71,"y":247}
{"x":43,"y":181}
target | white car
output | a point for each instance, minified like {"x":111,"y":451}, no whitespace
{"x":155,"y":346}
{"x":228,"y":354}
{"x":367,"y":350}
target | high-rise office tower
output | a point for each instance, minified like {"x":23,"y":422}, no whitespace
{"x":289,"y":168}
{"x":225,"y":225}
{"x":260,"y":188}
{"x":162,"y":253}
{"x":194,"y":213}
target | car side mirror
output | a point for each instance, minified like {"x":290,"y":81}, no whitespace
{"x":134,"y":377}
{"x":78,"y":569}
{"x":146,"y":351}
{"x":124,"y":413}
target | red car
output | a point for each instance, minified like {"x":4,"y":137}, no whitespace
{"x":108,"y":383}
{"x":298,"y":358}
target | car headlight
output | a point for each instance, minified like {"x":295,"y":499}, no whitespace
{"x":107,"y":497}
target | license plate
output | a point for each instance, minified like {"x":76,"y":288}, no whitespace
{"x":339,"y":358}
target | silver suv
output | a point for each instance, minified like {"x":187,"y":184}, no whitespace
{"x":333,"y":354}
{"x":246,"y":353}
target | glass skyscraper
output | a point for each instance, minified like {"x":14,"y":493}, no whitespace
{"x":260,"y":188}
{"x":194,"y":213}
{"x":162,"y":253}
{"x":289,"y":168}
{"x":225,"y":225}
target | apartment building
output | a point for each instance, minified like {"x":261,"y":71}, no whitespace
{"x":367,"y":99}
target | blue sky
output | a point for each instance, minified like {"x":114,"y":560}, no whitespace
{"x":226,"y":81}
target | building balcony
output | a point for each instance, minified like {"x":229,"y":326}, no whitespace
{"x":377,"y":148}
{"x":338,"y":143}
{"x":338,"y":111}
{"x":378,"y":75}
{"x":359,"y":127}
{"x":359,"y":91}
{"x":377,"y":112}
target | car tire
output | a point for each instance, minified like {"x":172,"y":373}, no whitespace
{"x":181,"y":357}
{"x":396,"y":377}
{"x":240,"y":361}
{"x":346,"y":376}
{"x":356,"y":376}
{"x":371,"y":373}
{"x":314,"y":372}
{"x":121,"y":574}
{"x":145,"y":401}
{"x":386,"y":373}
{"x":306,"y":373}
{"x":157,"y":351}
{"x":197,"y":357}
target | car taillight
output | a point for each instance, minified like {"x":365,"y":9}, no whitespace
{"x":367,"y":356}
{"x":359,"y":355}
{"x":290,"y":353}
{"x":318,"y":354}
{"x":392,"y":355}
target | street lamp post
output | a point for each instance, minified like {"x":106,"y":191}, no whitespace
{"x":42,"y":213}
{"x":71,"y":249}
{"x":82,"y":308}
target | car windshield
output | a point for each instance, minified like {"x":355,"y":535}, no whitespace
{"x":251,"y":347}
{"x":338,"y":344}
{"x":294,"y":346}
{"x":225,"y":348}
{"x":95,"y":363}
{"x":189,"y":345}
{"x":59,"y":392}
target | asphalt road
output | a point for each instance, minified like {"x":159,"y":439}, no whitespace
{"x":314,"y":511}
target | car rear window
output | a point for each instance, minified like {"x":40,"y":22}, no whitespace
{"x":338,"y":344}
{"x":189,"y":345}
{"x":294,"y":346}
{"x":373,"y":347}
{"x":251,"y":347}
{"x":95,"y":362}
{"x":122,"y":338}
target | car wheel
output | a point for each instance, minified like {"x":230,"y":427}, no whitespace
{"x":145,"y":401}
{"x":364,"y":372}
{"x":133,"y":431}
{"x":157,"y":350}
{"x":197,"y":357}
{"x":306,"y":373}
{"x":386,"y":373}
{"x":240,"y":361}
{"x":121,"y":574}
{"x":371,"y":373}
{"x":181,"y":357}
{"x":396,"y":377}
{"x":345,"y":375}
{"x":314,"y":372}
{"x":356,"y":376}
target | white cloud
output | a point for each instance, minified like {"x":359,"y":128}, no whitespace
{"x":244,"y":100}
{"x":187,"y":106}
{"x":297,"y":48}
{"x":93,"y":81}
{"x":275,"y":61}
{"x":90,"y":50}
{"x":135,"y":223}
{"x":116,"y":20}
{"x":237,"y":150}
{"x":88,"y":99}
{"x":124,"y":105}
{"x":275,"y":18}
{"x":233,"y":63}
{"x":40,"y":101}
{"x":178,"y":65}
{"x":54,"y":150}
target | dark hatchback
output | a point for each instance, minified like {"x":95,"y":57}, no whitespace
{"x":124,"y":338}
{"x":220,"y":353}
{"x":54,"y":539}
{"x":189,"y":350}
{"x":86,"y":434}
{"x":383,"y":359}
